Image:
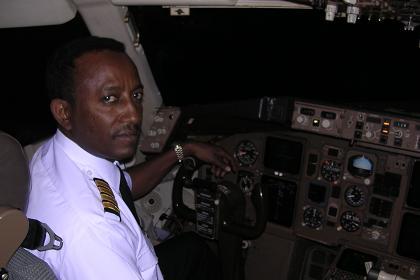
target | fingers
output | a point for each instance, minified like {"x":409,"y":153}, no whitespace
{"x":229,"y":162}
{"x":220,"y":160}
{"x":223,"y":163}
{"x":218,"y":172}
{"x":219,"y":167}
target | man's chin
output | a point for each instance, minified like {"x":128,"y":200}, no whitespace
{"x":125,"y":155}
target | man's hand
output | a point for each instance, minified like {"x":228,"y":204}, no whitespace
{"x":222,"y":162}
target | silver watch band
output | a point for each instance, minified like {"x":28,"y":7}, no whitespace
{"x":179,"y":152}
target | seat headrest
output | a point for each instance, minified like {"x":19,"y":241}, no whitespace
{"x":14,"y":173}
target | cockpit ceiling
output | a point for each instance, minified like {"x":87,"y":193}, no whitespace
{"x":406,"y":11}
{"x":23,"y":13}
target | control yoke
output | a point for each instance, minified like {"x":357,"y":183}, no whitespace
{"x":220,"y":206}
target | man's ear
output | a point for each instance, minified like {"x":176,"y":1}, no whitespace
{"x":61,"y":111}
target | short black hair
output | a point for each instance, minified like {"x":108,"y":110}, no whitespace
{"x":60,"y":66}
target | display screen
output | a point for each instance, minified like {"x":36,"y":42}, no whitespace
{"x":354,"y":261}
{"x":408,"y":241}
{"x":281,"y":200}
{"x":283,"y":155}
{"x":360,"y":165}
{"x":413,"y":197}
{"x":316,"y":193}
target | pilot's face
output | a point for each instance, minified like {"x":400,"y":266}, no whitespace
{"x":106,"y":116}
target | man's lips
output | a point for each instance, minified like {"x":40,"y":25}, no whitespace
{"x":128,"y":134}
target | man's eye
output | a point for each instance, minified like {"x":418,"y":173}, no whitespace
{"x":138,"y":95}
{"x":109,"y":99}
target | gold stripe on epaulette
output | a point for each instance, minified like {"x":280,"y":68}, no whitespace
{"x":110,"y":205}
{"x":111,"y":202}
{"x":107,"y":196}
{"x":108,"y":192}
{"x":101,"y":183}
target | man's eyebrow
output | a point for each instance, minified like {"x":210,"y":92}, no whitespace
{"x":140,"y":86}
{"x":112,"y":87}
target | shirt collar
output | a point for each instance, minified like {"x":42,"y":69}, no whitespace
{"x":92,"y":165}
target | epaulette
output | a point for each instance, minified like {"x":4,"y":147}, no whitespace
{"x":108,"y":198}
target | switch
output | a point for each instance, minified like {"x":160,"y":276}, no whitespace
{"x":155,"y":145}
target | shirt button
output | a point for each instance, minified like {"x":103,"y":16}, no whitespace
{"x":89,"y":173}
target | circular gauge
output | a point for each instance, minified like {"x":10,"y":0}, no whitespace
{"x":245,"y":181}
{"x":246,"y":153}
{"x":354,"y":196}
{"x":312,"y":217}
{"x":331,"y":170}
{"x":350,"y":221}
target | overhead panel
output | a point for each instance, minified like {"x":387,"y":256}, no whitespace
{"x":175,"y":2}
{"x":295,"y":4}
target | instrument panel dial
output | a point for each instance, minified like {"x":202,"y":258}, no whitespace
{"x":246,"y":153}
{"x":354,"y":196}
{"x":312,"y":217}
{"x":331,"y":170}
{"x":350,"y":221}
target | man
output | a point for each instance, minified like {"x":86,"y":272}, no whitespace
{"x":77,"y":186}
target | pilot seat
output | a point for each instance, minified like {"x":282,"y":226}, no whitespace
{"x":16,"y":230}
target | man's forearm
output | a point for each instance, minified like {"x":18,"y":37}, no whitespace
{"x":149,"y":174}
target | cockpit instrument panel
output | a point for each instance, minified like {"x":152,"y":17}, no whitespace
{"x":368,"y":127}
{"x":339,"y":176}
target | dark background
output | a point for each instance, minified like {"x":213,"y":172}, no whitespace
{"x":218,"y":55}
{"x":24,"y":106}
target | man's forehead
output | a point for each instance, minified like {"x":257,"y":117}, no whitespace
{"x":99,"y":56}
{"x":94,"y":63}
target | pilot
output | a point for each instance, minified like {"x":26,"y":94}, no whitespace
{"x":78,"y":187}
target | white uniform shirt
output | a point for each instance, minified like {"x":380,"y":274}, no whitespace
{"x":97,"y":244}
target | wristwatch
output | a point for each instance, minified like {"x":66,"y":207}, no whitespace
{"x":179,"y":152}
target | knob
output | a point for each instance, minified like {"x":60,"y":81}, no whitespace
{"x":301,"y":119}
{"x":375,"y":235}
{"x":152,"y":132}
{"x":325,"y":123}
{"x":154,"y":145}
{"x":161,"y":131}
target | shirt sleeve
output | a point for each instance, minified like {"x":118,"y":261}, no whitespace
{"x":99,"y":253}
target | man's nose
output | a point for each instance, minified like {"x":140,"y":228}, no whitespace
{"x":133,"y":111}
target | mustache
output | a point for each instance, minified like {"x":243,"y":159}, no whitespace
{"x":127,"y":129}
